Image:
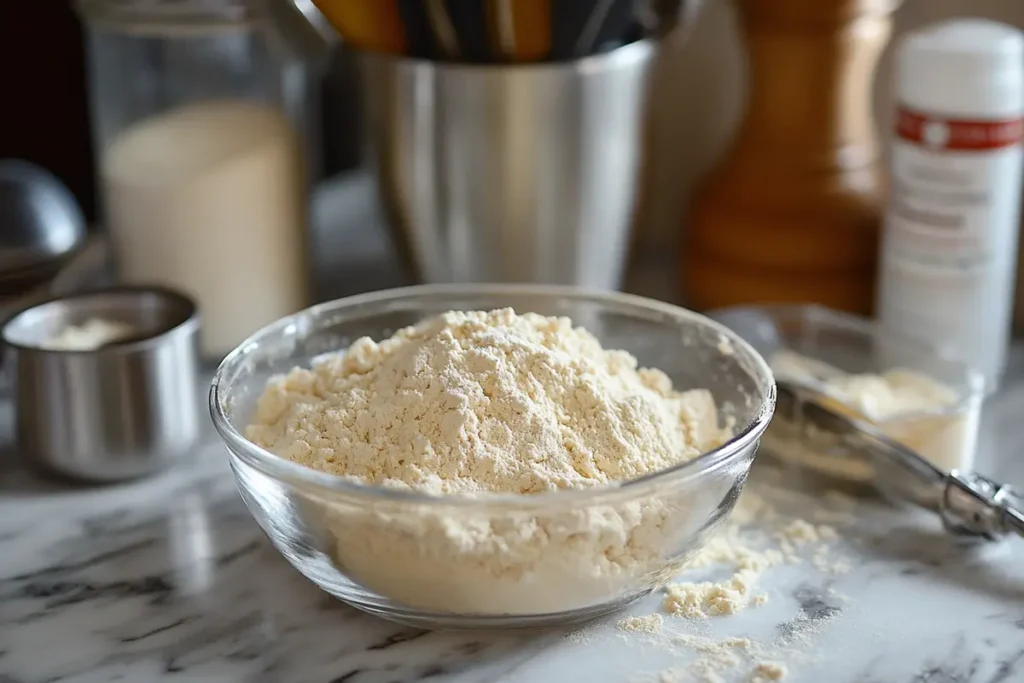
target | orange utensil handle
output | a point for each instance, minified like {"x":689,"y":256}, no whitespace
{"x":520,"y":29}
{"x":373,"y":25}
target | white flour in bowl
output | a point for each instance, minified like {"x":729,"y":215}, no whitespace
{"x":496,"y":402}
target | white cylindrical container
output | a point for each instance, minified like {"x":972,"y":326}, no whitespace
{"x":949,"y":246}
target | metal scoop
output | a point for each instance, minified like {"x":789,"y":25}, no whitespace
{"x":968,"y":503}
{"x":41,"y":224}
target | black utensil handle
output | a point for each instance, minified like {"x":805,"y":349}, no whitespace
{"x":609,"y":31}
{"x":420,"y":35}
{"x":469,"y":22}
{"x":568,"y":17}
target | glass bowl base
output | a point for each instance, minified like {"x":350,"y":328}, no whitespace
{"x":378,"y":606}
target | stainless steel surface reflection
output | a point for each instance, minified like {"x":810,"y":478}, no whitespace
{"x":520,"y":173}
{"x":42,"y":222}
{"x":117,"y":412}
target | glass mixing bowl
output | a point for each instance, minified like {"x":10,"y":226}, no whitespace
{"x":496,"y":560}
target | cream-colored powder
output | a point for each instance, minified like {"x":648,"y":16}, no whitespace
{"x":727,"y":659}
{"x":918,"y":410}
{"x":648,"y":623}
{"x":759,"y":535}
{"x":716,"y":659}
{"x":891,"y":394}
{"x":472,"y":402}
{"x":824,"y":560}
{"x":695,"y":600}
{"x":477,"y":403}
{"x":768,"y":671}
{"x":89,"y":336}
{"x":801,"y":532}
{"x":708,"y":599}
{"x":747,"y":561}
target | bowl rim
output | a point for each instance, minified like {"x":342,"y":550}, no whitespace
{"x":279,"y":468}
{"x":186,"y":320}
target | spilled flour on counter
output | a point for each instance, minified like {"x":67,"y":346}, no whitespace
{"x":494,"y":402}
{"x":723,"y":656}
{"x":748,"y":557}
{"x":757,"y":539}
{"x":739,"y":659}
{"x":769,"y":671}
{"x":649,"y":624}
{"x":715,"y":657}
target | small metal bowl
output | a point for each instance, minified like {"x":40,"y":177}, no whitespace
{"x":120,"y":411}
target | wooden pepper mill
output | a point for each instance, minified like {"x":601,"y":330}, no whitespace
{"x":794,"y":214}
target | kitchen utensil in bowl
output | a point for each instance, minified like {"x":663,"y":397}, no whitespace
{"x":580,"y":29}
{"x":120,"y":411}
{"x":497,"y":31}
{"x":968,"y":503}
{"x":367,"y":545}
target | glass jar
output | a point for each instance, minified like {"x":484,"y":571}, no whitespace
{"x":203,"y":127}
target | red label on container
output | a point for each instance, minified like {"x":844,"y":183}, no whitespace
{"x":935,"y":132}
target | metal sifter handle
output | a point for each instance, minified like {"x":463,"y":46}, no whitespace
{"x":969,"y":504}
{"x":977,"y":506}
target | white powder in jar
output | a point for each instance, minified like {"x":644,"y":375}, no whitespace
{"x":477,"y":403}
{"x":209,"y":199}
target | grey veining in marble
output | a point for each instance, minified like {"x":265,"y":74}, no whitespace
{"x":170,"y":580}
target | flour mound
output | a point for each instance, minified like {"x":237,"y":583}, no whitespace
{"x":484,"y":402}
{"x":471,"y":402}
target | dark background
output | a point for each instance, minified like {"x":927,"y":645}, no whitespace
{"x":44,"y":110}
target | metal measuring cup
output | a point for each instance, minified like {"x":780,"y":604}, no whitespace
{"x":120,"y":411}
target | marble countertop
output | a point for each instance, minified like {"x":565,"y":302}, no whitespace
{"x":171,"y":580}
